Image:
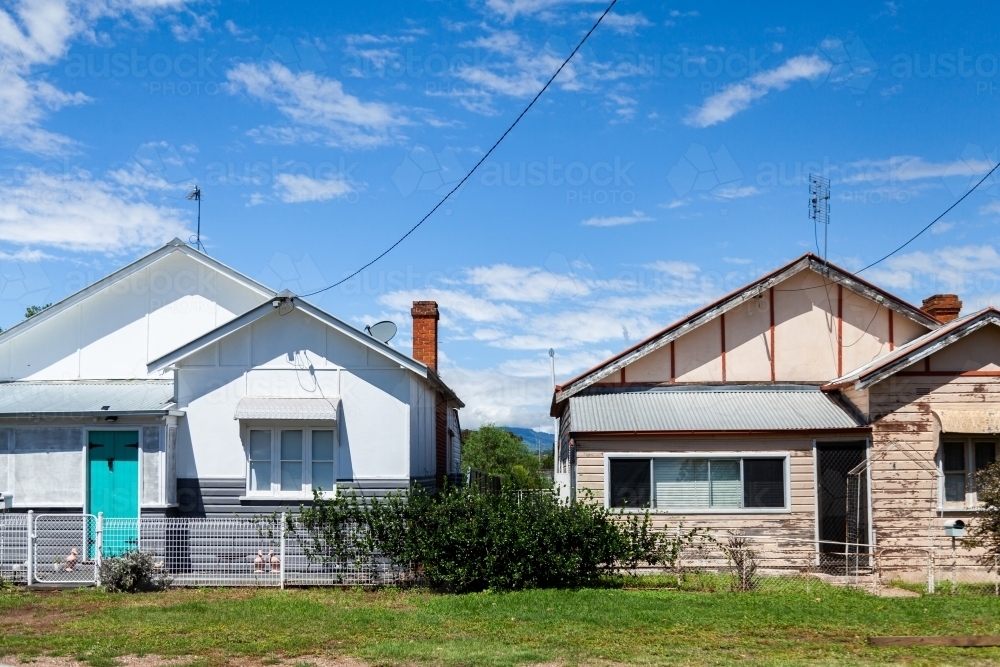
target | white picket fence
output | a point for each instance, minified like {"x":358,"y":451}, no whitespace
{"x":67,"y":549}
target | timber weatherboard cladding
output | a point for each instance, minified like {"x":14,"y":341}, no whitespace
{"x":798,"y":522}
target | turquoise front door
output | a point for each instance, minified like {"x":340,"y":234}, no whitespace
{"x":113,"y":464}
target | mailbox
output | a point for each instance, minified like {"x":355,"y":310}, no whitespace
{"x":954,"y":528}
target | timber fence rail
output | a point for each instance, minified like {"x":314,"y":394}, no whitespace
{"x":67,"y":549}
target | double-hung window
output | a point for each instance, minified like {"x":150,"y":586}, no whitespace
{"x":697,"y":483}
{"x":291,"y":461}
{"x":959,"y":461}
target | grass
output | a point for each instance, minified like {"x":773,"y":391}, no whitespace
{"x":644,"y":626}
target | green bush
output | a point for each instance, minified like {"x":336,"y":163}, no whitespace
{"x":132,"y":572}
{"x":463,"y":541}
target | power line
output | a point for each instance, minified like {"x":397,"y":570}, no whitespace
{"x":481,"y":160}
{"x":912,"y":238}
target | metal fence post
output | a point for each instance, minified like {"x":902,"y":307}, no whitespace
{"x":29,"y":566}
{"x":930,"y":571}
{"x":98,"y":547}
{"x":281,"y":550}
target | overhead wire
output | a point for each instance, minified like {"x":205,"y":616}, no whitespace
{"x":481,"y":160}
{"x":912,"y":238}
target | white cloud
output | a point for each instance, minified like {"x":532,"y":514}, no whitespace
{"x":988,"y":209}
{"x":520,"y":72}
{"x":965,"y":270}
{"x":511,"y":9}
{"x":80,"y":213}
{"x":903,"y":168}
{"x":453,"y":304}
{"x":319,"y":107}
{"x":736,"y":97}
{"x":617,"y":220}
{"x":685,"y":270}
{"x":624,"y":24}
{"x":298,"y":188}
{"x":34,"y":34}
{"x":942,"y":227}
{"x":528,"y":284}
{"x":736,"y":192}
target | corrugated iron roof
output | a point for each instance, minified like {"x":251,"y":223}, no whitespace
{"x":256,"y":407}
{"x":86,"y":396}
{"x":709,"y":409}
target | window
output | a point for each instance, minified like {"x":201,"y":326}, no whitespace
{"x":290,"y":461}
{"x":260,"y":461}
{"x":323,"y":477}
{"x":629,"y":482}
{"x":698,"y":483}
{"x":960,"y":459}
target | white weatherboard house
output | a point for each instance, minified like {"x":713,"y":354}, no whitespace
{"x":178,"y":386}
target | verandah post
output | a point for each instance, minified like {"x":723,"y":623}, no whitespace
{"x":281,"y":551}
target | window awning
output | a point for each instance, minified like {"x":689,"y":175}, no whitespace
{"x":969,"y":421}
{"x":312,"y":409}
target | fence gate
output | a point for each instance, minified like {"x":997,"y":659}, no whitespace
{"x":65,"y":548}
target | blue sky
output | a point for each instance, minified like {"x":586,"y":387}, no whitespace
{"x":667,"y":164}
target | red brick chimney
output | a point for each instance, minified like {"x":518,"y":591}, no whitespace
{"x":425,"y":332}
{"x":943,"y":307}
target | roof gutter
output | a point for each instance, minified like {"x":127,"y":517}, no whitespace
{"x":607,"y":434}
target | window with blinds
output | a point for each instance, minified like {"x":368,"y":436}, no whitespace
{"x":680,"y":483}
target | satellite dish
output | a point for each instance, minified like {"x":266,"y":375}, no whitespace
{"x":382,"y":331}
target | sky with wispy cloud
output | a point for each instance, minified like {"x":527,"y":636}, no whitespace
{"x":668,"y":163}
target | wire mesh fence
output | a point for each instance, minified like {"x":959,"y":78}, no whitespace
{"x":14,"y":547}
{"x":67,"y":549}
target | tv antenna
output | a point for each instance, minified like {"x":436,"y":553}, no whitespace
{"x":819,"y":208}
{"x":382,"y":331}
{"x":196,"y":239}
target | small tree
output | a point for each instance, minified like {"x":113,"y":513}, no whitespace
{"x":985,"y":529}
{"x":31,"y":311}
{"x":497,"y":451}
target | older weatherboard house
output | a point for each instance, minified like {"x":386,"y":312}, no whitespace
{"x":178,"y":386}
{"x":809,"y":404}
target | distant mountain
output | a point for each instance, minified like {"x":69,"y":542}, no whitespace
{"x":535,"y":440}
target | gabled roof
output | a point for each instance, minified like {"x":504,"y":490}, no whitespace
{"x":710,"y":408}
{"x":835,"y":274}
{"x":264,"y":309}
{"x":173,"y":246}
{"x":916,"y":350}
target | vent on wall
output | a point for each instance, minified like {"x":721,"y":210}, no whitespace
{"x":923,"y":391}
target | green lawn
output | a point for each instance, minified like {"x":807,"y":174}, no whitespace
{"x":606,"y":626}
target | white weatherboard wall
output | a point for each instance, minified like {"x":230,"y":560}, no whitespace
{"x":297,"y":356}
{"x":114,"y":333}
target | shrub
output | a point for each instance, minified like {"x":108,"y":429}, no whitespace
{"x":463,"y":541}
{"x":742,"y":562}
{"x":132,"y":572}
{"x":985,"y":529}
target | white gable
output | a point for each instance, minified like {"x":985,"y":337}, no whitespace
{"x":112,"y":330}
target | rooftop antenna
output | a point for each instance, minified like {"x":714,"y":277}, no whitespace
{"x":196,"y":239}
{"x":819,"y":209}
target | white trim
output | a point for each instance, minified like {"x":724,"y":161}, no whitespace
{"x":275,"y":429}
{"x":701,"y":454}
{"x":971,"y":502}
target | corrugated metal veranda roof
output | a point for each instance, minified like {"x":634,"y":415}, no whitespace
{"x":256,"y":407}
{"x":709,"y":409}
{"x":85,"y":397}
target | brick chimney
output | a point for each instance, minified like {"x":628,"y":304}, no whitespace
{"x":943,"y":307}
{"x":425,"y":332}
